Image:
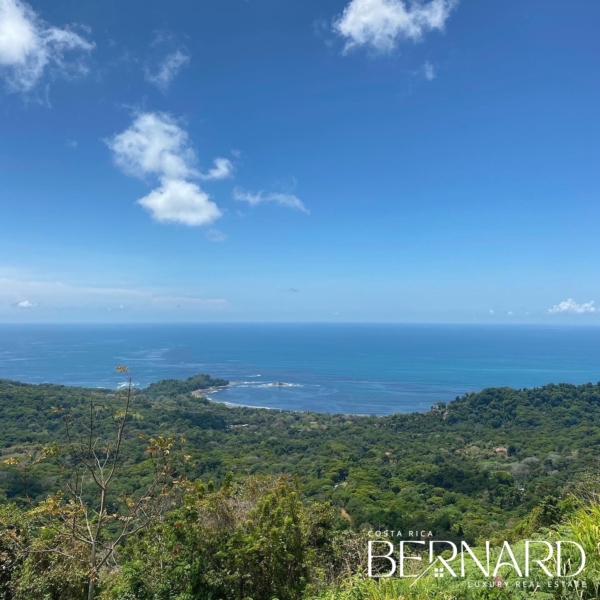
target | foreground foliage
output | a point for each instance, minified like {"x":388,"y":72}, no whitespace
{"x":258,"y":540}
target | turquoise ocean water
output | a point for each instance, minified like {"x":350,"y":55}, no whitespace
{"x":359,"y":369}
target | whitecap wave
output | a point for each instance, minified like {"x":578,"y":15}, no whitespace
{"x":269,"y":384}
{"x":124,"y":384}
{"x":278,"y":384}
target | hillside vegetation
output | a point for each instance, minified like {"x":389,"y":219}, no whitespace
{"x":470,"y":467}
{"x":273,"y":504}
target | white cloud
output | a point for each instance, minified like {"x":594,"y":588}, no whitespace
{"x":155,"y":144}
{"x":492,"y":311}
{"x":29,"y":47}
{"x":429,"y":71}
{"x":570,"y":306}
{"x":180,"y":201}
{"x":222,"y":170}
{"x":168,"y":69}
{"x":25,"y":304}
{"x":382,"y":24}
{"x":214,"y":235}
{"x":254,"y":199}
{"x":510,"y":313}
{"x":73,"y":144}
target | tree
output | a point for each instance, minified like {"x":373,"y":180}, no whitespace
{"x":92,"y":515}
{"x":248,"y":539}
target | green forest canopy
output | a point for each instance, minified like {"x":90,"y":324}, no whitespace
{"x":468,"y":468}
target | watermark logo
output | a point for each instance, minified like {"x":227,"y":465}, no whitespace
{"x":540,"y":558}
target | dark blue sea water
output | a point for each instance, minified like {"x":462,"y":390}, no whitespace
{"x":359,"y":369}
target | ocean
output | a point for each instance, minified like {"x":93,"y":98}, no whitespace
{"x":342,"y":368}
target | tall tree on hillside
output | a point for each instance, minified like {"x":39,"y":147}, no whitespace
{"x":91,"y":517}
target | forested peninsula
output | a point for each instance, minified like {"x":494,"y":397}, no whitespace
{"x":240,"y":486}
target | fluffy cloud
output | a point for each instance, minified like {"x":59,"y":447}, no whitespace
{"x":382,"y":24}
{"x":180,"y":201}
{"x":570,"y":306}
{"x":168,"y":69}
{"x":222,"y":170}
{"x":156,"y":145}
{"x":287,"y":200}
{"x":29,"y":47}
{"x":25,"y":304}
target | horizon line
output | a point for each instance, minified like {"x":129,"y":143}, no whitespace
{"x":407,"y":323}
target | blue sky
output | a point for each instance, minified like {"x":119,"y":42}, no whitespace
{"x":269,"y":160}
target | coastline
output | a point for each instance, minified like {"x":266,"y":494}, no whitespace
{"x":204,"y":394}
{"x":213,"y":390}
{"x":346,"y":369}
